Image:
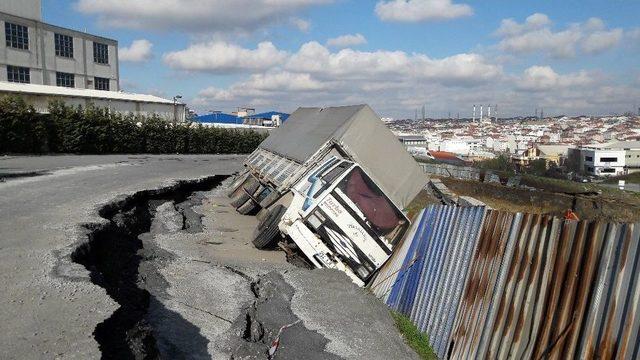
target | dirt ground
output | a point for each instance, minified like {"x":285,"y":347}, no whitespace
{"x":611,"y":205}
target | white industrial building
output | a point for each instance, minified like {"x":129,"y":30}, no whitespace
{"x":603,"y":162}
{"x":613,"y":158}
{"x":39,"y":96}
{"x":41,"y":62}
{"x":35,"y":52}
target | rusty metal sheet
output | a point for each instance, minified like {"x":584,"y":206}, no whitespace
{"x":487,"y":284}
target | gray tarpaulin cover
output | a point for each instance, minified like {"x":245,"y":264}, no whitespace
{"x":363,"y":135}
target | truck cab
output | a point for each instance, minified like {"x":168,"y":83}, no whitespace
{"x":339,"y":218}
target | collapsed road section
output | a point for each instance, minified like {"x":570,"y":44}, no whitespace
{"x":112,"y":256}
{"x":126,"y":257}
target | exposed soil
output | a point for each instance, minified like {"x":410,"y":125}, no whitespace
{"x":113,"y":255}
{"x":606,"y":206}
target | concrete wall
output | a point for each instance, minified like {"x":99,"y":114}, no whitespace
{"x":633,"y":159}
{"x":42,"y":60}
{"x":30,"y":9}
{"x":165,"y":111}
{"x":446,"y":170}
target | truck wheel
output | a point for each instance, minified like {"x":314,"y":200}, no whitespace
{"x":251,"y":186}
{"x":245,"y":192}
{"x":235,"y":185}
{"x":240,"y":199}
{"x":248,"y":207}
{"x":262,"y":215}
{"x":267,"y":231}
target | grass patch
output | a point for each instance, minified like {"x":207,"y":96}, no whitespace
{"x":422,"y":200}
{"x":630,"y":179}
{"x":418,"y":341}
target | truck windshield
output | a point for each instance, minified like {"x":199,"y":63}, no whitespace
{"x":382,"y":215}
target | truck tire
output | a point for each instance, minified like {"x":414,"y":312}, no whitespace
{"x":245,"y":192}
{"x":267,"y":231}
{"x":235,"y":185}
{"x":262,"y":214}
{"x":240,"y":198}
{"x":248,"y":207}
{"x":251,"y":185}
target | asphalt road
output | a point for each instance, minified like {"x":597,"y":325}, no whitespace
{"x":212,"y":294}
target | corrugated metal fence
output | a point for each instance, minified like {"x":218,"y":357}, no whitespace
{"x":491,"y":284}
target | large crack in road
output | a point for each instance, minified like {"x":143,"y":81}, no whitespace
{"x":123,"y":258}
{"x":112,"y":255}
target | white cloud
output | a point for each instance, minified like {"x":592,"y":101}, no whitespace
{"x":421,"y":10}
{"x":138,"y":51}
{"x":459,"y":69}
{"x":396,"y":83}
{"x":316,"y":75}
{"x":347,"y":40}
{"x":194,"y":15}
{"x":509,"y":27}
{"x":544,"y":78}
{"x":302,"y":24}
{"x":601,"y":41}
{"x":535,"y":35}
{"x":222,"y":57}
{"x":634,"y":34}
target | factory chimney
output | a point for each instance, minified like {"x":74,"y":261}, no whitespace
{"x":481,"y":112}
{"x":474,"y":113}
{"x":489,"y":113}
{"x":495,"y":112}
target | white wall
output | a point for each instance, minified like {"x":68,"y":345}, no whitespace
{"x":30,"y":9}
{"x":42,"y":60}
{"x":165,"y":111}
{"x":596,"y":162}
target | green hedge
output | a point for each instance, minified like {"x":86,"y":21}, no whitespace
{"x":92,"y":130}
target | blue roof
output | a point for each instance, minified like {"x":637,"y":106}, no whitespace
{"x":220,"y":118}
{"x":267,"y":115}
{"x":223,"y":118}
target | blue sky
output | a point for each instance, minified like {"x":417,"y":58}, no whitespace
{"x":569,"y":57}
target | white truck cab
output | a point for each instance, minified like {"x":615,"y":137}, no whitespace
{"x":339,"y":218}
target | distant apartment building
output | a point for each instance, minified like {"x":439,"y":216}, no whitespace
{"x":413,"y":140}
{"x":610,"y":159}
{"x":603,"y":162}
{"x":35,"y":52}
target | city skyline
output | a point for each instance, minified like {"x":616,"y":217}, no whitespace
{"x":572,"y":58}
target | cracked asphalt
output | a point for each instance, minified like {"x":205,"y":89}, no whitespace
{"x":213,"y":295}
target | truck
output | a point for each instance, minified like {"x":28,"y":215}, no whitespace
{"x":333,"y":183}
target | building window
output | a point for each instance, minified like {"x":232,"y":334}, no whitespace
{"x":588,"y":158}
{"x":100,"y":53}
{"x":102,"y":83}
{"x":18,"y":74}
{"x":609,"y":159}
{"x":17,"y":36}
{"x":64,"y":45}
{"x":65,"y":79}
{"x":608,"y":171}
